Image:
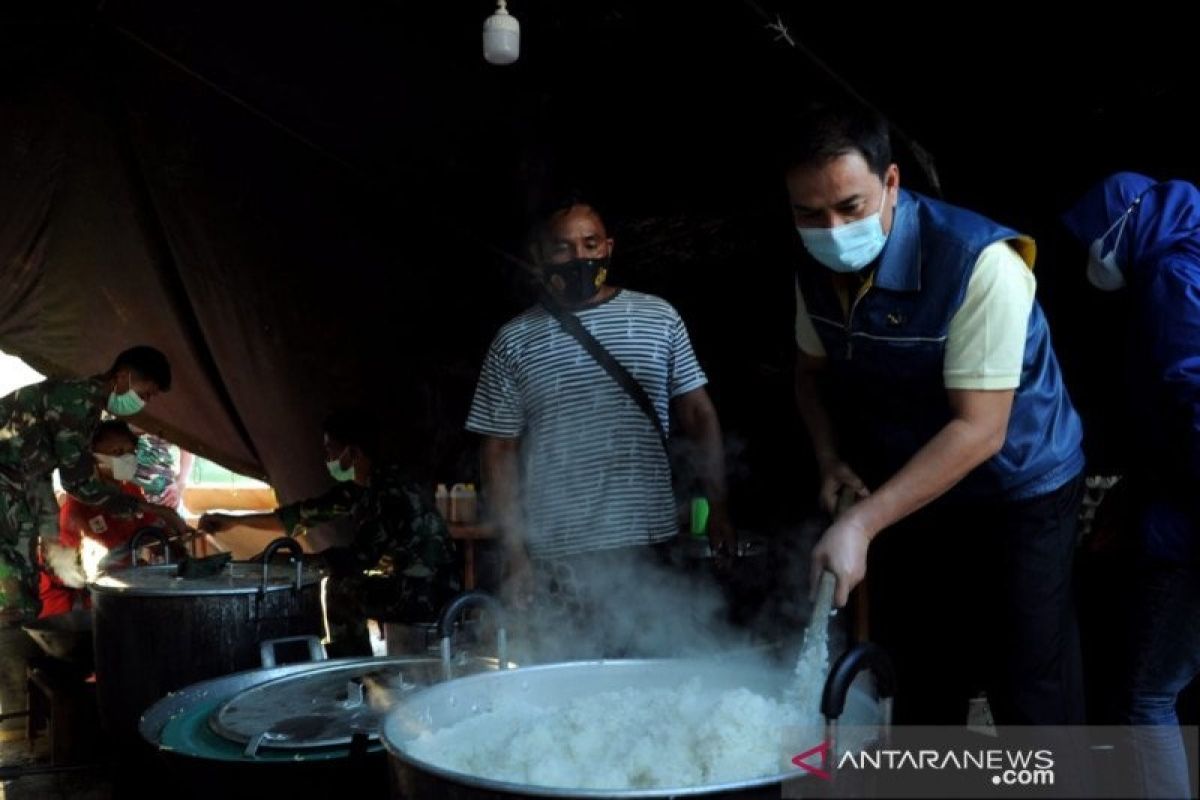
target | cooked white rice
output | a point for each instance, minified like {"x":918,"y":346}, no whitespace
{"x":627,"y":739}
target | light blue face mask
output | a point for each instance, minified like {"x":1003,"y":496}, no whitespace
{"x":125,"y":404}
{"x":340,"y":473}
{"x":1104,"y":272}
{"x":849,"y":247}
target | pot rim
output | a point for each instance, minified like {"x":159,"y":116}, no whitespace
{"x":518,"y":789}
{"x":282,"y":579}
{"x":223,"y":688}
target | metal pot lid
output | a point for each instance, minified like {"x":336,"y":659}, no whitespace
{"x":238,"y":577}
{"x":322,"y":707}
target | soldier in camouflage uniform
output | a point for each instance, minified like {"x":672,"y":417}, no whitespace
{"x":401,"y":566}
{"x":48,"y":426}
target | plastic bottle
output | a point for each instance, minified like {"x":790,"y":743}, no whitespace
{"x":442,"y":500}
{"x":463,"y":503}
{"x":468,"y":507}
{"x":456,"y":497}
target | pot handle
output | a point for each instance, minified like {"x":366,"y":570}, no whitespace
{"x":454,"y":609}
{"x":864,"y":655}
{"x":267,"y":652}
{"x":297,"y":553}
{"x":136,"y":543}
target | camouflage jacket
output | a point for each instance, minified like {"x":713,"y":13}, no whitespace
{"x":156,"y":466}
{"x":49,"y":425}
{"x":398,"y":530}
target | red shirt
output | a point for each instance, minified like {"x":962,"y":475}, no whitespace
{"x":75,"y":517}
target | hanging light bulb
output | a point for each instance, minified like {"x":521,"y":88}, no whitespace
{"x":501,"y":36}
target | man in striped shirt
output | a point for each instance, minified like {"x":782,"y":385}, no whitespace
{"x":571,"y":463}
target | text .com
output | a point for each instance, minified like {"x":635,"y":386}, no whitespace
{"x":1024,"y":777}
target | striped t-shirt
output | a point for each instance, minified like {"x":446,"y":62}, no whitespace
{"x":593,"y":472}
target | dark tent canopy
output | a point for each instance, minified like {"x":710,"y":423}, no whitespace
{"x":319,"y":205}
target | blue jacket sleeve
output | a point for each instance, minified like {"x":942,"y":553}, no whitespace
{"x":1172,"y":320}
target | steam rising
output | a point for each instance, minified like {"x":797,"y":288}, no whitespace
{"x":630,"y":603}
{"x":622,"y":604}
{"x":696,"y":732}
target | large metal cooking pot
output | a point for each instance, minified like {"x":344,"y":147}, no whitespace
{"x":156,"y":632}
{"x":445,"y":704}
{"x":303,"y":730}
{"x":209,"y":756}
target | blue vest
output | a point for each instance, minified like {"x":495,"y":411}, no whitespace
{"x":888,"y":393}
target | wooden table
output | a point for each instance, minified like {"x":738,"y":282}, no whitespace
{"x":469,"y":533}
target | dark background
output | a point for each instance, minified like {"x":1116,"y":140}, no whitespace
{"x":317,"y":204}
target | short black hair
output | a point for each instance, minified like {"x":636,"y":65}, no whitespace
{"x":565,"y":202}
{"x":824,"y":131}
{"x":353,"y":428}
{"x":114,"y":427}
{"x":560,"y":204}
{"x":148,"y":363}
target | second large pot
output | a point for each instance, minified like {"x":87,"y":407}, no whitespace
{"x":211,"y":761}
{"x":156,"y":632}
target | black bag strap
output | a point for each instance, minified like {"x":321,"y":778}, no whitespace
{"x":616,"y":370}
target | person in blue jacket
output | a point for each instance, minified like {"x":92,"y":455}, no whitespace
{"x":1143,"y":237}
{"x":928,"y":383}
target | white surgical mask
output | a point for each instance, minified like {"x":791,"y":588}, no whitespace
{"x":849,"y":247}
{"x":123,"y":468}
{"x":1103,"y":271}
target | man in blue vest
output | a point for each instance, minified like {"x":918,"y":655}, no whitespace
{"x":929,"y":386}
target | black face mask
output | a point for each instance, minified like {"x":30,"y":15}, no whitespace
{"x":582,"y":278}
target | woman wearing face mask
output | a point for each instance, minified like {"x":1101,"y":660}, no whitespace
{"x":63,"y":572}
{"x":401,"y":566}
{"x":1143,"y":238}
